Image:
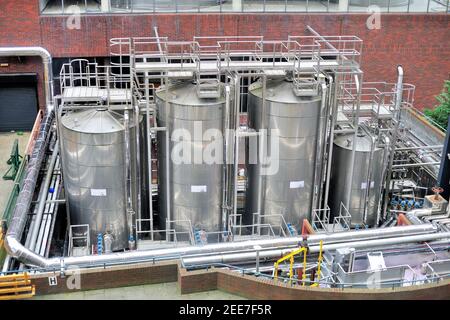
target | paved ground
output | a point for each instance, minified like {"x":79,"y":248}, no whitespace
{"x":6,"y":143}
{"x":165,"y":291}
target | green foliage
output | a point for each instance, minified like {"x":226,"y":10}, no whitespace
{"x":441,"y":112}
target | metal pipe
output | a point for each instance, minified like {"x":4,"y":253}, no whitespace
{"x":387,"y":143}
{"x":420,"y":148}
{"x":225,"y":167}
{"x":331,"y":142}
{"x":47,"y":62}
{"x":127,"y":174}
{"x":371,"y":234}
{"x":236,"y":257}
{"x":413,"y":219}
{"x":167,"y":160}
{"x":237,"y":103}
{"x":355,"y":135}
{"x":412,"y":165}
{"x":261,"y":149}
{"x":20,"y":214}
{"x":320,"y":149}
{"x":149,"y":153}
{"x":19,"y":217}
{"x":369,"y":175}
{"x":138,"y":164}
{"x":398,"y":104}
{"x":174,"y":253}
{"x":430,"y":218}
{"x":421,"y":212}
{"x":382,"y":242}
{"x":43,"y":200}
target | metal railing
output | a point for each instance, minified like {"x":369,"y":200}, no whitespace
{"x":237,"y":6}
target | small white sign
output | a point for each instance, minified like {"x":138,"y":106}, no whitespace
{"x":98,"y":192}
{"x":364,"y":185}
{"x":296,"y":184}
{"x":52,"y":281}
{"x":199,"y":189}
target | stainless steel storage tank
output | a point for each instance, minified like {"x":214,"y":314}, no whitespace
{"x":288,"y":192}
{"x":367,"y":176}
{"x":195,"y":186}
{"x":93,"y":154}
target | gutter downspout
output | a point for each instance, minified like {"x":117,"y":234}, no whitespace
{"x":19,"y":218}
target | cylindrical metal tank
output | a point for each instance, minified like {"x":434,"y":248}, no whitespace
{"x":195,"y":184}
{"x":93,"y":154}
{"x":289,"y":191}
{"x":367,"y":176}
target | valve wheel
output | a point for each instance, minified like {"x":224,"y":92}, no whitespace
{"x":437,"y":191}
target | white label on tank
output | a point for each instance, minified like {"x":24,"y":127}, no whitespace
{"x":364,"y":185}
{"x":98,"y":192}
{"x":296,"y":184}
{"x":198,"y":189}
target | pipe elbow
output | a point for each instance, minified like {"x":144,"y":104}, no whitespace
{"x":17,"y":251}
{"x":12,"y":246}
{"x":400,"y":70}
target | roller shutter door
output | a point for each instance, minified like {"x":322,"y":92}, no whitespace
{"x":18,"y":102}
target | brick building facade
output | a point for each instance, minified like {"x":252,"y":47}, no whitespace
{"x":420,"y":42}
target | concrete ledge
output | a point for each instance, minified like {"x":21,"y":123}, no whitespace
{"x":108,"y":277}
{"x":218,"y":279}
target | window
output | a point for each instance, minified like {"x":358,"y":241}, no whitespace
{"x":160,"y":6}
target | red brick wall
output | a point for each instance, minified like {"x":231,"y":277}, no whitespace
{"x":225,"y":280}
{"x":417,"y":41}
{"x":26,"y":65}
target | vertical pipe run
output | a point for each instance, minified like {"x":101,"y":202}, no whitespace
{"x":387,"y":143}
{"x":369,"y":175}
{"x":42,"y":200}
{"x":167,"y":135}
{"x":262,"y":144}
{"x":330,"y":146}
{"x":127,"y":173}
{"x":320,"y":149}
{"x":398,"y":104}
{"x":237,"y":102}
{"x":226,"y":152}
{"x":138,"y":165}
{"x":149,"y":152}
{"x":355,"y":127}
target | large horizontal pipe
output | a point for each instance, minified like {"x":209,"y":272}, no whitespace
{"x":130,"y":256}
{"x":371,"y":234}
{"x":383,"y":242}
{"x":419,"y":164}
{"x":242,"y":257}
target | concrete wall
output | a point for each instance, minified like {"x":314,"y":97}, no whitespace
{"x":417,"y":41}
